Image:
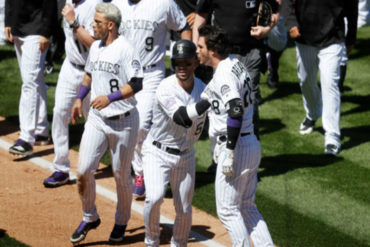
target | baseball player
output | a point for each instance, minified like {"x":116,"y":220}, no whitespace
{"x":78,"y":20}
{"x":29,"y":26}
{"x":168,"y":150}
{"x":239,"y":153}
{"x":114,"y":73}
{"x":320,"y":44}
{"x":146,"y":23}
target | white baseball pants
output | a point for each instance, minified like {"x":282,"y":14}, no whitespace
{"x":68,"y":86}
{"x":235,"y":196}
{"x":145,"y":100}
{"x":327,"y":101}
{"x":32,"y":105}
{"x":161,"y":168}
{"x":120,"y":137}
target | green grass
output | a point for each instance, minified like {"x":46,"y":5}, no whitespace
{"x":306,"y":198}
{"x":7,"y":241}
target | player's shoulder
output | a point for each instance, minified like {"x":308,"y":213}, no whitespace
{"x":95,"y":45}
{"x":168,"y":83}
{"x":90,"y":4}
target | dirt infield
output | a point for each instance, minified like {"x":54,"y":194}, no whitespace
{"x":38,"y":216}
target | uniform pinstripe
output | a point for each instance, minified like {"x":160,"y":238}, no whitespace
{"x":146,"y":23}
{"x":110,"y":67}
{"x":161,"y":167}
{"x":325,"y":102}
{"x":32,"y":104}
{"x":69,"y":81}
{"x":235,"y":195}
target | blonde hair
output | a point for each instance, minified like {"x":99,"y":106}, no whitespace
{"x":110,"y":12}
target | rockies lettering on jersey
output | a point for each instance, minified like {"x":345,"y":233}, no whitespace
{"x":105,"y":66}
{"x":139,"y":24}
{"x":146,"y":24}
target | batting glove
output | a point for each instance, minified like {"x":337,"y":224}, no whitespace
{"x":226,"y":161}
{"x":216,"y":152}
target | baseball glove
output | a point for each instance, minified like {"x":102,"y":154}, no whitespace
{"x":264,"y":14}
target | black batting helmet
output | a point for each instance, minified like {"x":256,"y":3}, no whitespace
{"x":184,"y":49}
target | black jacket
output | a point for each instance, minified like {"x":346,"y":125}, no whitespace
{"x":31,"y":17}
{"x":321,"y":22}
{"x":236,"y":17}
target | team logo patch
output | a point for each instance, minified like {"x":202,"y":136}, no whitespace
{"x":225,"y":89}
{"x":135,"y":65}
{"x":169,"y":103}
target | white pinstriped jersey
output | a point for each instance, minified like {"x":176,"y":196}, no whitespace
{"x":111,"y":67}
{"x":76,"y":52}
{"x":146,"y":23}
{"x":230,"y":80}
{"x":169,"y":97}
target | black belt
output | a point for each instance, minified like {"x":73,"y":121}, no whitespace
{"x":223,"y":138}
{"x":245,"y":134}
{"x":126,"y":114}
{"x":168,"y":150}
{"x":80,"y":67}
{"x":241,"y":50}
{"x":148,"y":67}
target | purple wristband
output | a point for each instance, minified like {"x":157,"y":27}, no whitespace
{"x":235,"y":123}
{"x":83,"y":92}
{"x":117,"y":95}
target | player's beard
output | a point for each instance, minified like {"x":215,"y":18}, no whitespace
{"x":184,"y":76}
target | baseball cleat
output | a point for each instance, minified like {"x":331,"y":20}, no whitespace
{"x":306,"y":126}
{"x":117,"y":233}
{"x":56,"y":179}
{"x":139,"y":187}
{"x":21,"y":148}
{"x":83,"y":229}
{"x":332,"y":149}
{"x":42,"y":140}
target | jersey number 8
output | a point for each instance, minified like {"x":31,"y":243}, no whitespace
{"x":113,"y":85}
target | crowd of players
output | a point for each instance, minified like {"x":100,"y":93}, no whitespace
{"x":114,"y":75}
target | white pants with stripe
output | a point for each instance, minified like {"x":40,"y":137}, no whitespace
{"x":32,"y":105}
{"x":145,"y":100}
{"x":235,"y":196}
{"x":161,"y":168}
{"x":120,"y":137}
{"x":68,"y":86}
{"x":325,"y":102}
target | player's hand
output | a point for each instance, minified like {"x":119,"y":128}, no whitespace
{"x":226,"y":160}
{"x":76,"y":111}
{"x":8,"y":34}
{"x":44,"y":43}
{"x":294,"y":32}
{"x":260,"y":32}
{"x":216,"y":152}
{"x":190,"y":19}
{"x":100,"y":102}
{"x":274,"y":19}
{"x":68,"y":13}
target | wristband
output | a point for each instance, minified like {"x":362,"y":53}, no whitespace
{"x":75,"y":24}
{"x":83,"y":92}
{"x":191,"y":111}
{"x":117,"y":95}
